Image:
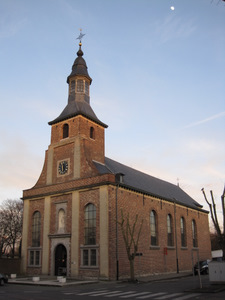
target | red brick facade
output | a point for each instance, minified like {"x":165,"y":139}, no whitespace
{"x":62,"y":197}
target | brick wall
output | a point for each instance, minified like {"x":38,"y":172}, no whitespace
{"x":154,"y":260}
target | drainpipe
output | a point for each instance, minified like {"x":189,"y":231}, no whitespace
{"x":117,"y":259}
{"x":175,"y":224}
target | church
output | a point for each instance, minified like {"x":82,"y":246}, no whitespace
{"x":72,"y":215}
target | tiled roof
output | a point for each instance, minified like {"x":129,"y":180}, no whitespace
{"x":146,"y":184}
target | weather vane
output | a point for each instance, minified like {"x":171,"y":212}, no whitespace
{"x":80,"y":36}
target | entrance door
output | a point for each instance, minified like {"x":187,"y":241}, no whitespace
{"x":60,"y":260}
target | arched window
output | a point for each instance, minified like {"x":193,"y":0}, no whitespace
{"x":61,"y":220}
{"x":194,"y":233}
{"x":92,"y":133}
{"x":65,"y":131}
{"x":169,"y":230}
{"x":153,"y":228}
{"x":183,"y":232}
{"x":90,"y":225}
{"x":36,"y":229}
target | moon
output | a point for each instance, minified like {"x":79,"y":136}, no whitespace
{"x":172,"y":7}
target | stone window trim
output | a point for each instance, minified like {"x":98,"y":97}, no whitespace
{"x":195,"y":248}
{"x":184,"y":248}
{"x":35,"y":250}
{"x":59,"y":235}
{"x":170,"y":248}
{"x":154,"y":247}
{"x":89,"y":248}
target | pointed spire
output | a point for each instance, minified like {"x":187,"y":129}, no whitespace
{"x":79,"y":97}
{"x":79,"y":67}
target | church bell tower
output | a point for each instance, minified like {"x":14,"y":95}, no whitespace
{"x":77,"y":135}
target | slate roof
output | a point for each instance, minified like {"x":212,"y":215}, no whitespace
{"x":75,"y":108}
{"x":79,"y":67}
{"x":77,"y":104}
{"x":146,"y":184}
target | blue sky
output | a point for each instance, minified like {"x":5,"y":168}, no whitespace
{"x":158,"y":82}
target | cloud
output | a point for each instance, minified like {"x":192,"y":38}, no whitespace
{"x":174,"y":28}
{"x":20,"y":167}
{"x":217,"y":116}
{"x":10,"y":26}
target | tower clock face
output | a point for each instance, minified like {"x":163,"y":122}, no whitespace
{"x":63,"y":167}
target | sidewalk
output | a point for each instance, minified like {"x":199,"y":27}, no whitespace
{"x":165,"y":276}
{"x":52,"y":281}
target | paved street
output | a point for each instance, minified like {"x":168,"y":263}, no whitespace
{"x":173,"y":289}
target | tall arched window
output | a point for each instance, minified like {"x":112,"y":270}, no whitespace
{"x":194,"y":233}
{"x":183,"y":232}
{"x":153,"y":228}
{"x":169,"y":230}
{"x":36,"y":229}
{"x":65,"y":131}
{"x":90,"y":225}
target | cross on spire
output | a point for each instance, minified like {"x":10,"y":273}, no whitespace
{"x":80,"y":37}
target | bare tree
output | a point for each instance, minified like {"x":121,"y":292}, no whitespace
{"x":128,"y":232}
{"x":11,"y":214}
{"x":213,"y":212}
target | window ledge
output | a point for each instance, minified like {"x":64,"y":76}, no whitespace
{"x":154,"y":247}
{"x":195,"y":248}
{"x":170,"y":248}
{"x":59,"y":235}
{"x":184,"y":248}
{"x":34,"y":248}
{"x":89,"y":246}
{"x":89,"y":267}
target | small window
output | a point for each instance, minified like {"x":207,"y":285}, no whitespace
{"x":194,"y":234}
{"x":65,"y":131}
{"x":80,"y":86}
{"x":89,"y":257}
{"x":34,"y":258}
{"x":153,"y":228}
{"x":92,"y":133}
{"x":183,"y":232}
{"x":169,"y":230}
{"x":72,"y":87}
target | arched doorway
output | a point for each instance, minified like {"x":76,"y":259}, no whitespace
{"x":60,"y":260}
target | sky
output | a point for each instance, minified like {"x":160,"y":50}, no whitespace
{"x":158,"y":82}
